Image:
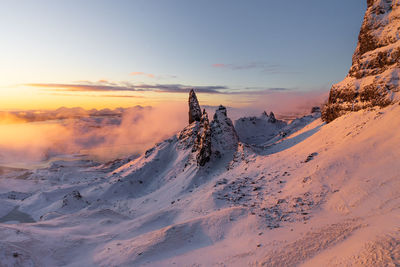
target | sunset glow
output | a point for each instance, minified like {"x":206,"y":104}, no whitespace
{"x":46,"y":44}
{"x":199,"y":133}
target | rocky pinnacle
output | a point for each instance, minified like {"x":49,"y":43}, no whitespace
{"x":208,"y":140}
{"x":194,"y":108}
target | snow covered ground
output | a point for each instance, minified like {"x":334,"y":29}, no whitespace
{"x":319,"y":195}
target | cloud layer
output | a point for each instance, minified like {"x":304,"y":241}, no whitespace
{"x":107,"y":134}
{"x":104,"y":136}
{"x":136,"y":73}
{"x":124,"y":87}
{"x":58,"y":88}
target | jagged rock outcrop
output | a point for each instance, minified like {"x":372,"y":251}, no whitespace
{"x":194,"y":108}
{"x":223,"y":133}
{"x":316,"y":109}
{"x":373,"y":79}
{"x":272,"y":118}
{"x":208,"y":139}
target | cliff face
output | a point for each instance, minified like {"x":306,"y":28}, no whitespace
{"x":373,"y":79}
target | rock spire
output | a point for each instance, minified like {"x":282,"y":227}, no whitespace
{"x":208,"y":140}
{"x":194,"y":107}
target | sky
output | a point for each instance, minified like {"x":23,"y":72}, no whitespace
{"x":98,"y":54}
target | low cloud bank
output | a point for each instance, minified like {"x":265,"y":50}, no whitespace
{"x":34,"y":136}
{"x":102,"y":137}
{"x":286,"y":103}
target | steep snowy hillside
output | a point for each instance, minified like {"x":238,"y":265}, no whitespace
{"x":373,"y":79}
{"x":324,"y":195}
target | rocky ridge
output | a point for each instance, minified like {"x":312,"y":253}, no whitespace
{"x":373,"y":79}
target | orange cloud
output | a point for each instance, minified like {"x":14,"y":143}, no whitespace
{"x":142,"y":73}
{"x":219,"y":65}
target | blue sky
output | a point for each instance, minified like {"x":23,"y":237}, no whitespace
{"x":246,"y":45}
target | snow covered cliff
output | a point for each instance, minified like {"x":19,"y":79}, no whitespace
{"x":373,"y":79}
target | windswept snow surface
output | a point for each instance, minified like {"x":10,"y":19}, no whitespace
{"x":323,"y":195}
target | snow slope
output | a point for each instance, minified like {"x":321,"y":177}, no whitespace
{"x":324,"y":195}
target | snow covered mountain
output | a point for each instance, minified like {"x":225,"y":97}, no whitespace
{"x":257,"y":192}
{"x":373,"y":79}
{"x":320,"y":195}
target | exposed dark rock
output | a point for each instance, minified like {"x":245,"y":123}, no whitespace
{"x":311,"y":156}
{"x":194,"y":107}
{"x":315,"y":110}
{"x":73,"y":198}
{"x":203,"y":141}
{"x":272,"y":118}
